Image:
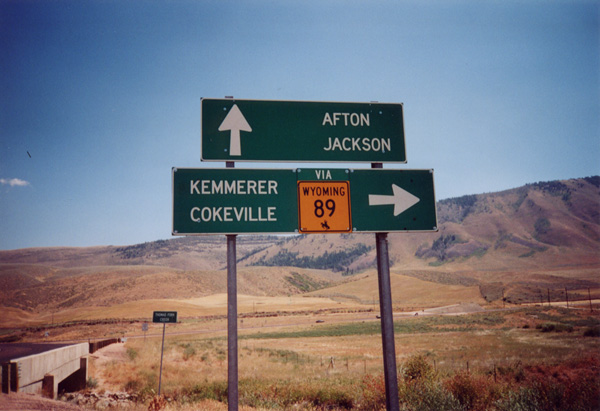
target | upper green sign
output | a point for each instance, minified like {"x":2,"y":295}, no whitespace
{"x":302,"y":131}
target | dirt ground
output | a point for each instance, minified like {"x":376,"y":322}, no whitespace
{"x":112,"y":352}
{"x":14,"y":401}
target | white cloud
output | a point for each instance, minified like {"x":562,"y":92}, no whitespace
{"x":14,"y":182}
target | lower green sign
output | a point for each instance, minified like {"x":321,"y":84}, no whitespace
{"x":244,"y":201}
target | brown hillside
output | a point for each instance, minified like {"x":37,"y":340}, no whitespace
{"x":67,"y":288}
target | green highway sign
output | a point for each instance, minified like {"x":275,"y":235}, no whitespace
{"x":164,"y":317}
{"x":392,"y":200}
{"x":301,"y":131}
{"x":244,"y":201}
{"x":234,"y":201}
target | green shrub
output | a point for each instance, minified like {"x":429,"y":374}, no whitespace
{"x":537,"y":396}
{"x":188,"y":352}
{"x":522,"y":400}
{"x":416,"y":368}
{"x":92,"y":383}
{"x":132,"y":353}
{"x":335,"y":261}
{"x":209,"y":391}
{"x":332,"y":399}
{"x":133,"y":385}
{"x":472,"y":392}
{"x":372,"y":393}
{"x":549,"y":327}
{"x":321,"y":395}
{"x":572,"y":386}
{"x":512,"y":372}
{"x":426,"y":396}
{"x":592,"y":332}
{"x":527,"y":254}
{"x":541,"y":227}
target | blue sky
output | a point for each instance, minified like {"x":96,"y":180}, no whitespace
{"x":100,"y":98}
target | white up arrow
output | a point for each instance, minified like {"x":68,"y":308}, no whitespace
{"x":402,"y":200}
{"x":235,"y":121}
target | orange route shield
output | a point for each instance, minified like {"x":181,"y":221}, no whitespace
{"x":324,"y":207}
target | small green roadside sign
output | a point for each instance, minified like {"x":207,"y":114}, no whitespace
{"x":282,"y":131}
{"x":164,"y":317}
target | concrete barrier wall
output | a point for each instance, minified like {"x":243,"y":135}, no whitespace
{"x":59,"y":363}
{"x":41,"y":373}
{"x":96,"y":345}
{"x":33,"y":368}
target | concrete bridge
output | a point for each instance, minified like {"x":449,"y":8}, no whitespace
{"x":44,"y":368}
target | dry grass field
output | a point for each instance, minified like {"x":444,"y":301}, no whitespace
{"x":337,"y":364}
{"x":407,"y":292}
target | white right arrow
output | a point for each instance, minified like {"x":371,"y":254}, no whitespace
{"x":235,"y":121}
{"x":402,"y":200}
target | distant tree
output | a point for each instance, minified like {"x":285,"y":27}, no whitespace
{"x":336,"y":261}
{"x":541,"y":227}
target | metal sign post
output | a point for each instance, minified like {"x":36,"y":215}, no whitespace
{"x":162,"y":350}
{"x":386,"y":312}
{"x":232,"y":331}
{"x":387,"y":323}
{"x":163,"y":317}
